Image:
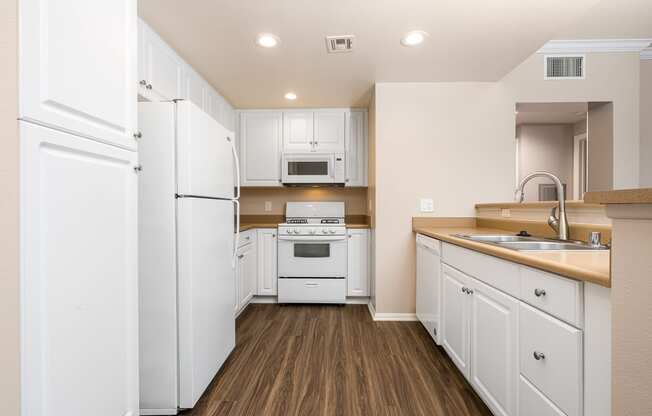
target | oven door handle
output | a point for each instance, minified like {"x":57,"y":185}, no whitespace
{"x":312,"y":238}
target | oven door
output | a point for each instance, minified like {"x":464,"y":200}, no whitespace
{"x":312,"y":257}
{"x":308,"y":168}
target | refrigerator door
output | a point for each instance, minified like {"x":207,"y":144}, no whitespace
{"x":205,"y":162}
{"x":206,"y":284}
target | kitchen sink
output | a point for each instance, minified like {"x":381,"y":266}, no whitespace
{"x":522,"y":243}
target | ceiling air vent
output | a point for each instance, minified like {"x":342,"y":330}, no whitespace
{"x":339,"y":44}
{"x":564,"y":67}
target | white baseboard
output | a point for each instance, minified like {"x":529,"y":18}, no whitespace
{"x":390,"y":316}
{"x":357,"y":300}
{"x":144,"y":412}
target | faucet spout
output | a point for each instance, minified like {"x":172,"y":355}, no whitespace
{"x":557,"y":223}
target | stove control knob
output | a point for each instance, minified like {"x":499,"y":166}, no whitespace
{"x":312,"y":231}
{"x":296,"y":231}
{"x":324,"y":231}
{"x":331,"y":231}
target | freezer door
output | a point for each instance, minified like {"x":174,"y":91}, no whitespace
{"x":205,"y":160}
{"x":206,"y":283}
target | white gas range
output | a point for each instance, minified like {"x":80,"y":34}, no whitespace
{"x":312,"y":253}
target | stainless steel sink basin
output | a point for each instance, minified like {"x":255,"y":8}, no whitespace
{"x":520,"y":243}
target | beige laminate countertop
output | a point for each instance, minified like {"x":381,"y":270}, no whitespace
{"x":590,"y":266}
{"x":624,"y":196}
{"x":249,"y":226}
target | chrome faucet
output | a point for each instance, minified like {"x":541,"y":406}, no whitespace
{"x":559,"y":223}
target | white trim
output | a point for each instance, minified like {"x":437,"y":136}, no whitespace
{"x":594,"y":45}
{"x":372,"y":309}
{"x":144,"y":412}
{"x":646,"y":54}
{"x":390,"y":316}
{"x":355,"y":300}
{"x":264,"y":299}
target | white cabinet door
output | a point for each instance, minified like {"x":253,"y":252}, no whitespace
{"x":455,"y":317}
{"x":79,"y":279}
{"x":193,"y":87}
{"x":78,"y":66}
{"x":427,"y":291}
{"x":329,"y":130}
{"x":245,"y":271}
{"x":267,"y":270}
{"x":356,"y":149}
{"x":357,"y":280}
{"x":494,"y":347}
{"x":161,"y":69}
{"x":260,"y":148}
{"x":298,"y":131}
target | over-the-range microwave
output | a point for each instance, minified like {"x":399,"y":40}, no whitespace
{"x":313,"y":168}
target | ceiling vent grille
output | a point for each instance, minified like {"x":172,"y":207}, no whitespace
{"x":564,"y":67}
{"x":339,"y":44}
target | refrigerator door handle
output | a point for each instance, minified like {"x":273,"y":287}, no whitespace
{"x":237,"y":232}
{"x":236,"y":160}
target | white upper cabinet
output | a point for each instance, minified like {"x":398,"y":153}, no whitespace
{"x":78,"y":66}
{"x":193,"y":87}
{"x":160,"y":69}
{"x":298,"y":135}
{"x":357,"y":279}
{"x":356,"y":149}
{"x":260,"y":148}
{"x":329,"y":130}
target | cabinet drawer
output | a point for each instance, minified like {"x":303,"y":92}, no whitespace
{"x":502,"y":275}
{"x":551,"y":358}
{"x":534,"y":403}
{"x":554,"y":294}
{"x":311,"y":290}
{"x":431,"y":243}
{"x":246,"y":237}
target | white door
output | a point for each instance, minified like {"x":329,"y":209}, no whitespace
{"x":260,"y":144}
{"x":79,"y":276}
{"x":206,"y":284}
{"x":267,"y":271}
{"x":494,"y":348}
{"x":78,"y":67}
{"x":298,"y":131}
{"x":329,"y":130}
{"x":356,"y":149}
{"x":160,"y":68}
{"x":205,"y":156}
{"x":357,"y":277}
{"x":427,"y":293}
{"x":455,"y":317}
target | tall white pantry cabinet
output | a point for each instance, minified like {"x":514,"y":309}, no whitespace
{"x":79,"y":293}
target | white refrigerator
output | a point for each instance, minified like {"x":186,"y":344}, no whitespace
{"x":188,"y":231}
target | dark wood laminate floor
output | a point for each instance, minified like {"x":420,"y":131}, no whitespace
{"x":332,"y":360}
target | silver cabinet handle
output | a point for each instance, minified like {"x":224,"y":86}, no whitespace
{"x":138,"y":135}
{"x":539,"y":356}
{"x":143,"y":82}
{"x":463,"y":289}
{"x":539,"y":292}
{"x":138,"y":168}
{"x":469,"y":291}
{"x":240,"y":256}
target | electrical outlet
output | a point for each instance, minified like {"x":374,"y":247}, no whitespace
{"x":268,"y":206}
{"x":505,"y":212}
{"x":427,"y":205}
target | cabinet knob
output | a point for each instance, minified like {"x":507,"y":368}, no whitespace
{"x":148,"y":86}
{"x":138,"y":135}
{"x":539,"y":292}
{"x":464,"y":290}
{"x":138,"y":168}
{"x":539,"y":356}
{"x":143,"y":82}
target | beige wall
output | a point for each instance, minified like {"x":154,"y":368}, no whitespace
{"x":9,"y":307}
{"x":646,"y":124}
{"x":454,"y":142}
{"x":631,"y":333}
{"x":252,"y":201}
{"x":546,"y":147}
{"x":601,"y":147}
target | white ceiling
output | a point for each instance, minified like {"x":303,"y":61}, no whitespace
{"x":550,"y":113}
{"x":470,"y":40}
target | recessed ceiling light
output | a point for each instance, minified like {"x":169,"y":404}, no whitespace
{"x":267,"y":40}
{"x":290,"y":96}
{"x":414,"y":38}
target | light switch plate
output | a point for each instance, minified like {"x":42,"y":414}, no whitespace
{"x":268,"y":206}
{"x":427,"y":205}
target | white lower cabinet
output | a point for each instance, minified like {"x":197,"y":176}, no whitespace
{"x":79,"y":276}
{"x":245,"y":272}
{"x":267,"y":270}
{"x":493,"y":322}
{"x":428,"y":296}
{"x":513,"y":345}
{"x":357,"y":280}
{"x":455,"y":317}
